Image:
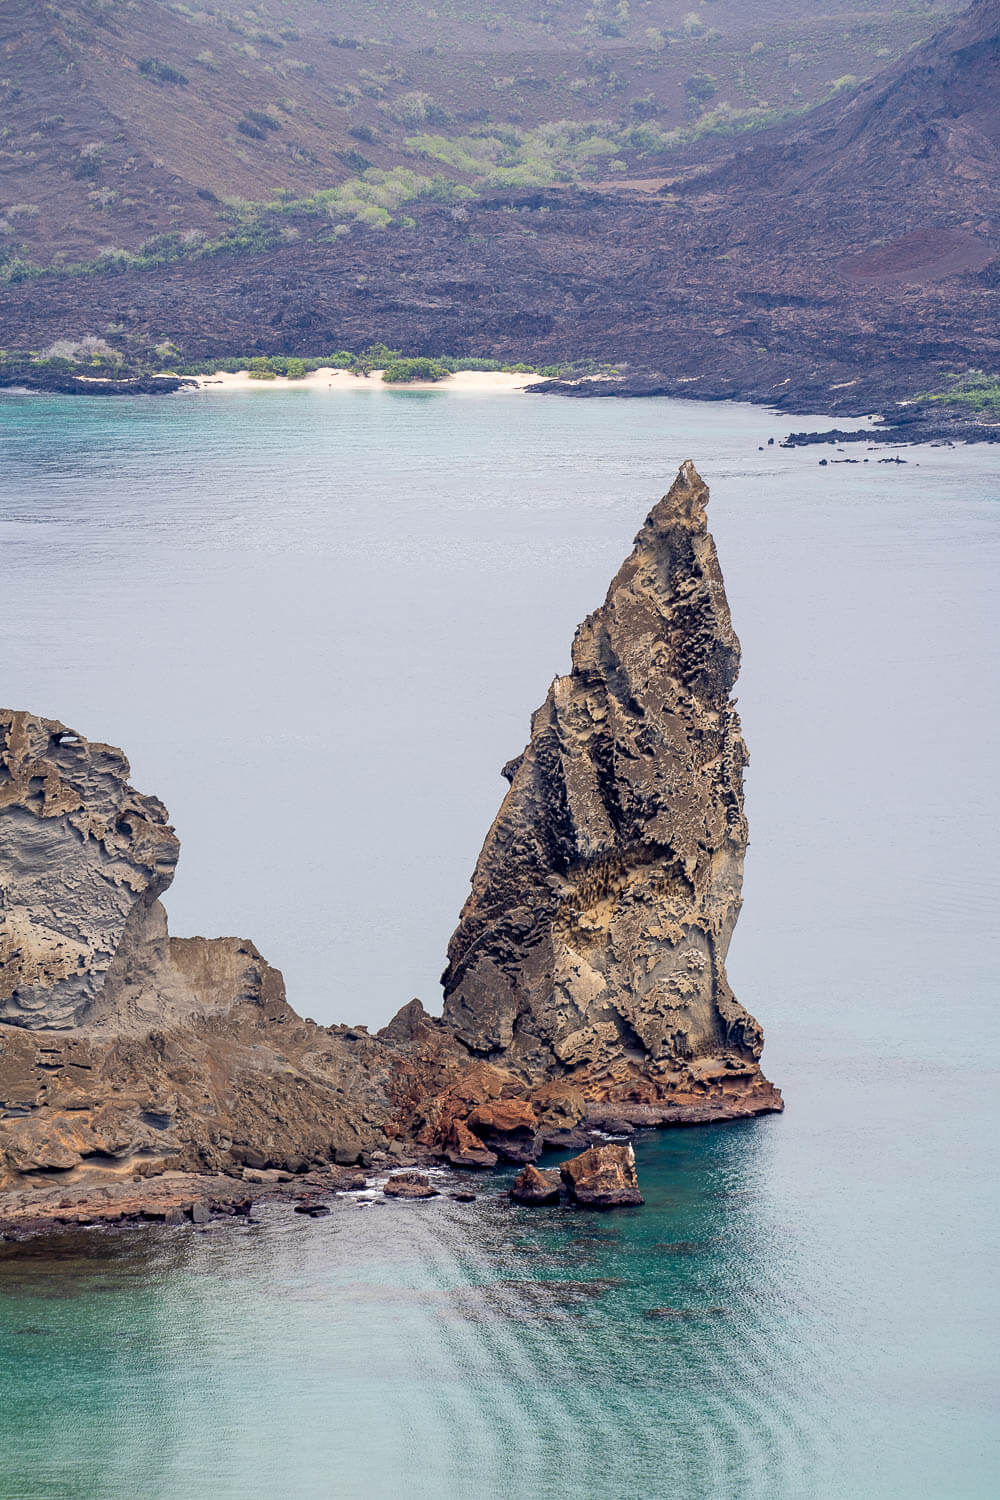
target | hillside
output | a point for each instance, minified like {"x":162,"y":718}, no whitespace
{"x":839,"y":261}
{"x":127,"y":122}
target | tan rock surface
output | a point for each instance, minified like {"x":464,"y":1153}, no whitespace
{"x":603,"y":1177}
{"x":82,"y":854}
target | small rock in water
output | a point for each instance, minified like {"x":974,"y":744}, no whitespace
{"x":603,"y":1177}
{"x":463,"y":1197}
{"x":535,"y":1187}
{"x":410,"y":1185}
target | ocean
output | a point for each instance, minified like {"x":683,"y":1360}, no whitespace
{"x":318,"y":623}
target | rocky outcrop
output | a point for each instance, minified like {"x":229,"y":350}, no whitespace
{"x":606,"y":893}
{"x":603,"y":1177}
{"x":508,"y":1127}
{"x":410,"y":1185}
{"x":586,"y":988}
{"x":124,"y":1051}
{"x":535,"y":1188}
{"x":83,"y":857}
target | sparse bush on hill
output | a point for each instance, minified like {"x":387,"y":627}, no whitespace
{"x":419,"y":108}
{"x":700,"y":87}
{"x":608,"y":17}
{"x":160,"y":72}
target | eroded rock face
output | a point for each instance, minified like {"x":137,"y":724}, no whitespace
{"x":603,"y":1177}
{"x":81,"y":853}
{"x":607,"y":890}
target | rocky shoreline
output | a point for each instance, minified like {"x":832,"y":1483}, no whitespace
{"x":899,"y":421}
{"x":585,"y":994}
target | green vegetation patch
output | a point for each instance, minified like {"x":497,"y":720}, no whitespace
{"x":403,"y":371}
{"x":974,"y":389}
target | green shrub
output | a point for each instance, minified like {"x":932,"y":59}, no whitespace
{"x":401,"y":371}
{"x":375,"y":357}
{"x":700,"y":87}
{"x":263,"y":120}
{"x":468,"y":362}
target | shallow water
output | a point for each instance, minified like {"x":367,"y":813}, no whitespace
{"x":318,"y":624}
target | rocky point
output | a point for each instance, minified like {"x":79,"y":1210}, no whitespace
{"x":585,"y":991}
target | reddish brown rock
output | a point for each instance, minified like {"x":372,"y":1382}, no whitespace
{"x":410,"y":1185}
{"x":603,"y":1177}
{"x":466,"y":1150}
{"x":508,"y":1127}
{"x":535,"y":1187}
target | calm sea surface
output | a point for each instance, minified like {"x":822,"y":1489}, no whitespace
{"x":318,"y":623}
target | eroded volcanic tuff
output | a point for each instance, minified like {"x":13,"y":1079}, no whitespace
{"x":586,"y":981}
{"x":609,"y":885}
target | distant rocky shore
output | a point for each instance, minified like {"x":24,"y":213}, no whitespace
{"x":901,"y":420}
{"x":143,"y":1075}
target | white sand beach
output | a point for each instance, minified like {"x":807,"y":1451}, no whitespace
{"x":479,"y":382}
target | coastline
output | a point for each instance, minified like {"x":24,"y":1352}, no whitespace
{"x":920,"y":423}
{"x":55,"y":1202}
{"x":474,"y":382}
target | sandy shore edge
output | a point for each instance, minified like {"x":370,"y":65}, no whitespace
{"x":479,"y":382}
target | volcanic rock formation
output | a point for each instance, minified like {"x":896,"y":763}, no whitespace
{"x":586,"y":984}
{"x":603,"y":1177}
{"x":82,"y":856}
{"x":609,"y":885}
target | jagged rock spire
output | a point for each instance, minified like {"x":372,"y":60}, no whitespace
{"x":608,"y":887}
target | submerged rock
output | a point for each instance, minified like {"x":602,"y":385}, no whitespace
{"x":535,"y":1187}
{"x":603,"y":1177}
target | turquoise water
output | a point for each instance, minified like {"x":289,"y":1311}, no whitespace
{"x":318,"y":624}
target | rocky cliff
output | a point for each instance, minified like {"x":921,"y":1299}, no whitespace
{"x":586,"y":982}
